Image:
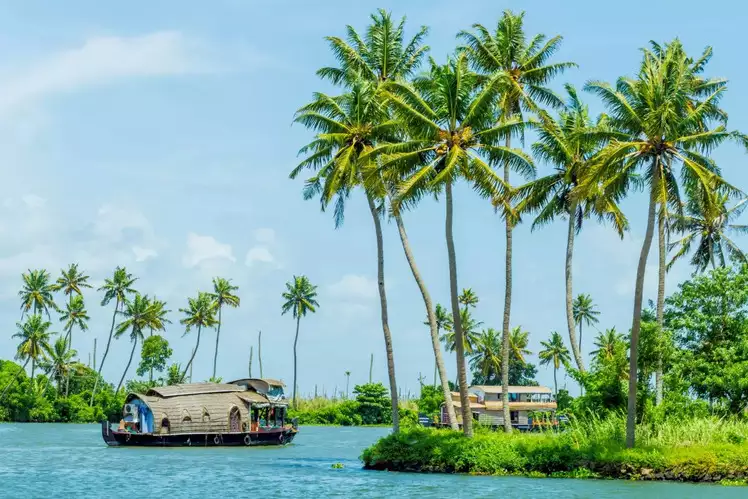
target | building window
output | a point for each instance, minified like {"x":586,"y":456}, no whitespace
{"x":206,"y":415}
{"x":186,"y":418}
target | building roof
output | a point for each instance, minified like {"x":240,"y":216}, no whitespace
{"x":193,"y":389}
{"x":269,"y":381}
{"x":473,"y":405}
{"x":512,"y":389}
{"x":496,"y":405}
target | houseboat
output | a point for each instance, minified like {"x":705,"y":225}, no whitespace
{"x":530,"y":407}
{"x":244,"y":412}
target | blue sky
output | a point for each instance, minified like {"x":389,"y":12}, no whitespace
{"x":159,"y":136}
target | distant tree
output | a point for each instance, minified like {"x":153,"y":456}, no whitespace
{"x":37,"y":293}
{"x":137,"y":318}
{"x":300,"y":298}
{"x":154,"y":355}
{"x":373,"y":402}
{"x":224,"y":295}
{"x":584,"y":312}
{"x":554,"y":352}
{"x":200,"y":313}
{"x":75,"y":315}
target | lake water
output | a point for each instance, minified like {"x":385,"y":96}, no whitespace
{"x":56,"y":460}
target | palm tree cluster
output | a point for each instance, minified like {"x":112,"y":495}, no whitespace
{"x":134,"y":314}
{"x":403,"y":127}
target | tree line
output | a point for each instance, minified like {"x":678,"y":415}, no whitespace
{"x":403,"y":127}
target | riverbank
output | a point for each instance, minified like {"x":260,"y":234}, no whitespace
{"x":717,"y":452}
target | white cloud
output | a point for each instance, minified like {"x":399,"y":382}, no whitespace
{"x":98,"y":61}
{"x":205,"y":248}
{"x":143,"y":254}
{"x":113,"y":220}
{"x":259,"y":254}
{"x":264,"y":236}
{"x":34,"y":201}
{"x":352,"y":287}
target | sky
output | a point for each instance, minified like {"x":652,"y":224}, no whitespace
{"x":159,"y":136}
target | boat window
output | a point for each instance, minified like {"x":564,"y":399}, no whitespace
{"x":186,"y":418}
{"x":165,"y":425}
{"x":206,"y":415}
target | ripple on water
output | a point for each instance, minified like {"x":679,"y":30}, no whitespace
{"x":55,"y":460}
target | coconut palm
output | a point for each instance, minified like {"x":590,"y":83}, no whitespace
{"x":554,"y":352}
{"x":72,"y":281}
{"x":75,"y":315}
{"x":608,"y":343}
{"x":223,"y":294}
{"x":518,"y":341}
{"x":707,"y":222}
{"x":348,"y":126}
{"x":448,"y":115}
{"x":200,"y":313}
{"x":468,"y":298}
{"x":524,"y":72}
{"x":60,"y":361}
{"x":584,"y":312}
{"x":34,"y":346}
{"x":37,"y":293}
{"x":137,"y":317}
{"x":159,"y":320}
{"x":299,"y":298}
{"x":470,"y":333}
{"x":569,"y":144}
{"x":486,"y":356}
{"x":668,"y":116}
{"x":117,"y":288}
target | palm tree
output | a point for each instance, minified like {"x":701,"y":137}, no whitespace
{"x":524,"y":72}
{"x":470,"y":333}
{"x":554,"y":351}
{"x":663,"y":119}
{"x":486,"y":356}
{"x":570,"y":144}
{"x":75,"y":315}
{"x":37,"y":293}
{"x":159,"y":320}
{"x":300,"y":298}
{"x":60,"y":361}
{"x":138,"y":315}
{"x":200,"y":313}
{"x":448,"y":115}
{"x":72,"y":281}
{"x":223,"y":294}
{"x":707,"y":222}
{"x":607,"y":343}
{"x":118,"y":288}
{"x":34,"y":346}
{"x":468,"y":298}
{"x":583,"y":310}
{"x":518,"y":341}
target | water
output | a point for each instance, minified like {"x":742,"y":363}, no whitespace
{"x":56,"y":460}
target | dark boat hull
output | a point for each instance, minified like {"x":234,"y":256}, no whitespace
{"x":280,"y":436}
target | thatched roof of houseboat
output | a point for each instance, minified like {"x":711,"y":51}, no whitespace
{"x":193,"y":389}
{"x":512,"y":389}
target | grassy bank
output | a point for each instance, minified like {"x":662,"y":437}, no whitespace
{"x":349,"y":412}
{"x":701,"y":450}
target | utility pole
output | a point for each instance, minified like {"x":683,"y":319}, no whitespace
{"x":259,"y":351}
{"x":371,"y":367}
{"x":251,"y":351}
{"x":94,"y":355}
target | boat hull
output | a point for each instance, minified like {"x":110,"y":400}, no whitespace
{"x":279,"y":436}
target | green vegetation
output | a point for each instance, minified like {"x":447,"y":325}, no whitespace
{"x":706,"y":449}
{"x":371,"y":406}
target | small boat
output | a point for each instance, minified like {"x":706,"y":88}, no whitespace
{"x":244,"y":412}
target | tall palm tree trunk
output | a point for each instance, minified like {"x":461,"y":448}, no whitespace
{"x":555,"y":383}
{"x":33,"y":370}
{"x":636,"y":323}
{"x":507,"y":311}
{"x":295,"y":342}
{"x":576,"y":350}
{"x":385,"y":320}
{"x":661,"y":268}
{"x":194,"y":351}
{"x":127,"y":368}
{"x":440,"y":366}
{"x":15,"y":378}
{"x":467,"y":414}
{"x":106,"y":352}
{"x":67,"y":378}
{"x":218,"y":335}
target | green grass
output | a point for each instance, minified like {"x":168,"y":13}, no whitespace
{"x":711,"y":450}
